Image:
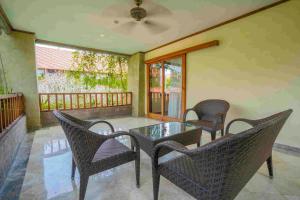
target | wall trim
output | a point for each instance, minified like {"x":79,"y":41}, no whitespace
{"x":58,"y":44}
{"x":22,"y":31}
{"x":184,"y":51}
{"x":221,"y":24}
{"x":287,"y":149}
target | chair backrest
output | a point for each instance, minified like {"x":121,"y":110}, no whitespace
{"x":81,"y":141}
{"x":71,"y":118}
{"x":228,"y":164}
{"x":207,"y":110}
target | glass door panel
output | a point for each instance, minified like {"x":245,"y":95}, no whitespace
{"x":173,"y":87}
{"x":155,"y":93}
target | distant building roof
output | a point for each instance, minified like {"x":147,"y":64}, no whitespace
{"x":48,"y":57}
{"x":57,"y":58}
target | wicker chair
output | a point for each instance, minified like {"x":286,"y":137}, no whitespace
{"x":93,"y":153}
{"x":84,"y":123}
{"x":211,"y":115}
{"x":219,"y":170}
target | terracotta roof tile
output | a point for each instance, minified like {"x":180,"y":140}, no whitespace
{"x":53,"y":58}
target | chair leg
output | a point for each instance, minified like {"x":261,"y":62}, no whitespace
{"x":156,"y":180}
{"x":137,"y":171}
{"x":222,"y":132}
{"x":270,"y":166}
{"x":131,"y":144}
{"x":83,"y":184}
{"x":213,"y":135}
{"x":73,"y":169}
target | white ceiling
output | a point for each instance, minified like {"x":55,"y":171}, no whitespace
{"x":90,"y":23}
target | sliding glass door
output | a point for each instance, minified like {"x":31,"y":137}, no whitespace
{"x":155,"y":91}
{"x":166,"y":88}
{"x":173,"y":87}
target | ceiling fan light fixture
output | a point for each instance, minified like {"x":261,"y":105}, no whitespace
{"x":138,"y":13}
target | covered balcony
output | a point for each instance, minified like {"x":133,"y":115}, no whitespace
{"x":149,"y":99}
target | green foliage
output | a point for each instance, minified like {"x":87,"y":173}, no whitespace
{"x":91,"y":69}
{"x":5,"y":90}
{"x":2,"y":90}
{"x":41,"y":77}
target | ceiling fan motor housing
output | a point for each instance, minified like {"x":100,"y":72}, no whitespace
{"x":138,"y":13}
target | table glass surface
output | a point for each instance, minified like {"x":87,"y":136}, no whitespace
{"x":162,"y":130}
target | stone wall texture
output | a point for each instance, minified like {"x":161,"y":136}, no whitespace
{"x":9,"y":144}
{"x":48,"y":119}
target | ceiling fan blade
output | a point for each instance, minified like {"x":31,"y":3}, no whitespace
{"x":156,"y":10}
{"x":155,"y":27}
{"x":126,"y":27}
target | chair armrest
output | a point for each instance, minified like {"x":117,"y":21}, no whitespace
{"x":172,"y":145}
{"x":186,"y":112}
{"x":90,"y":124}
{"x":122,"y":133}
{"x":248,"y":121}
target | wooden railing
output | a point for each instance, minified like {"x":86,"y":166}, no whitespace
{"x":74,"y":101}
{"x":11,"y":108}
{"x":156,"y":96}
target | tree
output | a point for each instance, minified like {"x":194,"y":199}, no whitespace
{"x":92,"y":69}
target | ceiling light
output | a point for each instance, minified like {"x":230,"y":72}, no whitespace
{"x":101,"y":35}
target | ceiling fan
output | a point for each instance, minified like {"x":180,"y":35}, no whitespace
{"x":139,"y":16}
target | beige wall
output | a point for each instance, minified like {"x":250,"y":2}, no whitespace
{"x":17,"y":50}
{"x":136,"y":83}
{"x":256,"y":67}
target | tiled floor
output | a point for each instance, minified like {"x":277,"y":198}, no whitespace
{"x":49,"y":168}
{"x":14,"y":181}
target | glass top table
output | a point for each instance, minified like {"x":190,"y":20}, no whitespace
{"x":182,"y":132}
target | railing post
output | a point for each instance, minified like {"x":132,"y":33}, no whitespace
{"x":117,"y":99}
{"x":106,"y":94}
{"x":48,"y":100}
{"x":78,"y":106}
{"x":90,"y":100}
{"x":130,"y":98}
{"x":96,"y":96}
{"x":56,"y":104}
{"x":84,"y":102}
{"x":64,"y":101}
{"x":71,"y":101}
{"x":6,"y":113}
{"x":101,"y":100}
{"x":1,"y":118}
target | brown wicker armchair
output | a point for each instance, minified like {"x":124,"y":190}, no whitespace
{"x":219,"y":170}
{"x":211,"y":115}
{"x":93,"y":153}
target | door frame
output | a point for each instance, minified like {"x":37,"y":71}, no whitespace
{"x":161,"y":116}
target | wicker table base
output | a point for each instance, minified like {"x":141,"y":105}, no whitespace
{"x":184,"y":133}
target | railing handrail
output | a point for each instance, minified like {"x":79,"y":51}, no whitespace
{"x":166,"y":92}
{"x":61,"y":93}
{"x":7,"y":96}
{"x":89,"y":100}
